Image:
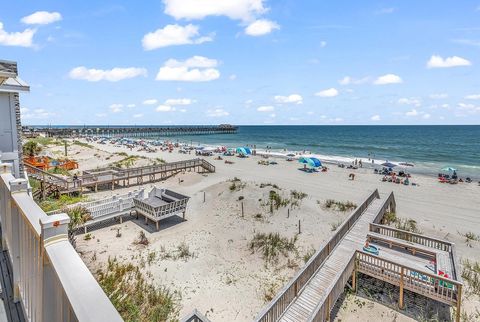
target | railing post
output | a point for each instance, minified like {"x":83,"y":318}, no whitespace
{"x":5,"y":168}
{"x":459,"y":303}
{"x":400,"y":298}
{"x":16,"y":186}
{"x":54,"y":230}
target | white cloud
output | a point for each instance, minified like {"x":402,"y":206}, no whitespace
{"x":173,"y":35}
{"x":266,"y":108}
{"x":331,"y":92}
{"x":323,"y":44}
{"x":150,"y":101}
{"x":454,"y":61}
{"x":409,"y":101}
{"x":164,"y":108}
{"x":137,"y":116}
{"x":194,"y":69}
{"x":131,"y":105}
{"x":438,"y":96}
{"x":218,"y":112}
{"x":473,"y":97}
{"x":426,"y":116}
{"x":38,"y":113}
{"x":42,"y":18}
{"x":116,"y":108}
{"x":413,"y":112}
{"x":20,"y":39}
{"x":347,"y":80}
{"x":112,"y":75}
{"x":179,"y":101}
{"x":232,"y":77}
{"x":293,"y":98}
{"x":244,"y":10}
{"x":388,"y":79}
{"x":375,"y":118}
{"x":182,"y":110}
{"x":101,"y":115}
{"x":261,"y":27}
{"x":385,"y":11}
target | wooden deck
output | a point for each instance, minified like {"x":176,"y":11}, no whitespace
{"x":318,"y":289}
{"x":112,"y":177}
{"x":408,"y":260}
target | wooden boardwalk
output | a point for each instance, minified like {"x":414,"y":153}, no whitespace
{"x":112,"y":177}
{"x":318,"y":289}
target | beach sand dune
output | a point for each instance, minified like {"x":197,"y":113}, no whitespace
{"x":229,"y":283}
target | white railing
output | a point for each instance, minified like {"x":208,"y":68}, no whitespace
{"x":49,"y":278}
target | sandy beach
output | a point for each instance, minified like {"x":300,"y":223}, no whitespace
{"x":223,"y":278}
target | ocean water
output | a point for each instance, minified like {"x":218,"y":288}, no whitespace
{"x":429,"y":148}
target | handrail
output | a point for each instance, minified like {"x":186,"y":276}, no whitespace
{"x":290,"y":291}
{"x":421,"y":281}
{"x":49,"y":278}
{"x":412,"y":237}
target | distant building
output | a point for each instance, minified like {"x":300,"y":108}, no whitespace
{"x":10,"y":126}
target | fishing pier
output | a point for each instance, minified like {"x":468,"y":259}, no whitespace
{"x":128,"y":131}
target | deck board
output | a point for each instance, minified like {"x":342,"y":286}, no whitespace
{"x":316,"y":290}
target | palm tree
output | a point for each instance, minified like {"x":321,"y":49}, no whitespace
{"x":79,"y":215}
{"x":31,"y":148}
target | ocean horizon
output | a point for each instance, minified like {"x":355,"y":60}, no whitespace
{"x":429,"y":147}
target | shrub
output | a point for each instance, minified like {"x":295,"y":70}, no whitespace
{"x":339,"y":205}
{"x":298,"y":195}
{"x":389,"y":218}
{"x":78,"y":216}
{"x":407,"y":224}
{"x":183,"y":251}
{"x":272,"y":245}
{"x":82,"y":144}
{"x":335,"y":225}
{"x":135,"y":298}
{"x":471,"y":274}
{"x":308,"y":254}
{"x":142,"y":239}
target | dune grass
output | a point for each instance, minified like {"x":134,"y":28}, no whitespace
{"x":135,"y":298}
{"x":272,"y":245}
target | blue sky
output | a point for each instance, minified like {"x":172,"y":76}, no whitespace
{"x":245,"y":61}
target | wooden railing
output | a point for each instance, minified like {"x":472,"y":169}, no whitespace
{"x":287,"y":295}
{"x":323,"y":309}
{"x":389,"y":205}
{"x":412,"y":237}
{"x":49,"y":278}
{"x":430,"y":285}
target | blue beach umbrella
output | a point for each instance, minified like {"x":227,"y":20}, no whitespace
{"x":311,"y":162}
{"x":244,"y":151}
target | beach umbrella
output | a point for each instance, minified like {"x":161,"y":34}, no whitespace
{"x":449,"y":169}
{"x":389,"y":165}
{"x":242,"y":151}
{"x":311,"y":162}
{"x":291,"y":155}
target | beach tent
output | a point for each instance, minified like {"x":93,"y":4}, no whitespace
{"x":389,"y":165}
{"x":311,"y":162}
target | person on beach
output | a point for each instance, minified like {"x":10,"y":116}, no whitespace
{"x":360,"y":164}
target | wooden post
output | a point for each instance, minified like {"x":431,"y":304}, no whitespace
{"x":400,"y":298}
{"x":242,"y":208}
{"x":459,"y":303}
{"x":288,"y":212}
{"x":299,"y":227}
{"x":204,"y":196}
{"x":354,"y":276}
{"x":329,"y":302}
{"x":156,"y":224}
